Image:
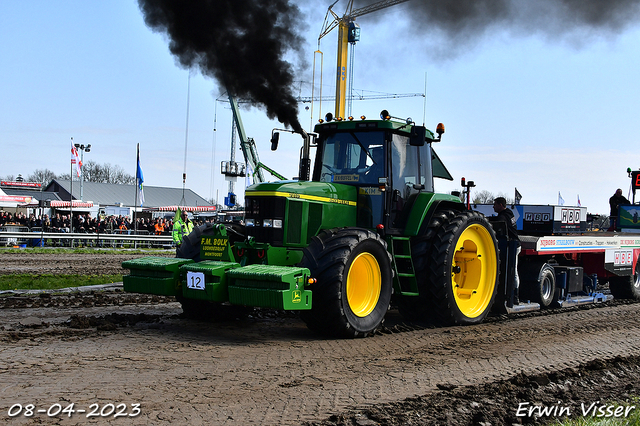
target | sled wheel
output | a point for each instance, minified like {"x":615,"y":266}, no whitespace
{"x":541,"y":287}
{"x":626,"y":287}
{"x":354,"y":282}
{"x":463,"y":270}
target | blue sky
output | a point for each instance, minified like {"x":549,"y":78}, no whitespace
{"x":539,"y":112}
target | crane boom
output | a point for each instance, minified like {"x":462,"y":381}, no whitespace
{"x":247,"y":145}
{"x":374,"y":7}
{"x":248,"y":148}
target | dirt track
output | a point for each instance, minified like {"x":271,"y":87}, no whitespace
{"x":269,"y":369}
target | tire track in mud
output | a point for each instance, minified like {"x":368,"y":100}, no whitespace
{"x":272,"y":370}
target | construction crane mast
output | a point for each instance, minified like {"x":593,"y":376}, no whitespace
{"x":348,"y":32}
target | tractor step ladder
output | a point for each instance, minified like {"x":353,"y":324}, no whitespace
{"x":403,"y":266}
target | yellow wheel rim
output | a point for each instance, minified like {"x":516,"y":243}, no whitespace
{"x":474,"y":271}
{"x":364,"y":282}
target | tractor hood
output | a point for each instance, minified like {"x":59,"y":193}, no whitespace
{"x":311,"y":191}
{"x":290,"y":213}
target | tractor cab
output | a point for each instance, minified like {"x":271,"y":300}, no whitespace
{"x":388,"y":161}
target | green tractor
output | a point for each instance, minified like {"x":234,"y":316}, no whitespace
{"x":343,"y":242}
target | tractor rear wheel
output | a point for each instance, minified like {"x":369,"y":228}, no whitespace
{"x":354,"y":282}
{"x":463,"y":270}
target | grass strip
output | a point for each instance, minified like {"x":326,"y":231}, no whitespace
{"x":53,"y":282}
{"x":604,"y":417}
{"x":86,"y":250}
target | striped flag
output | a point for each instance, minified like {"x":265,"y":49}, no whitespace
{"x":75,"y":159}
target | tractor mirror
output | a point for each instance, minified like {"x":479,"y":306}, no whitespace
{"x":418,"y":135}
{"x":275,"y":137}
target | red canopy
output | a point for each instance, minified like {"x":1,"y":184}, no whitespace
{"x":58,"y":204}
{"x":183,"y":208}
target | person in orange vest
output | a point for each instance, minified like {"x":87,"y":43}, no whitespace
{"x":159,"y":227}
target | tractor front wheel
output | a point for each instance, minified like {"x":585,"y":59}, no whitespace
{"x":354,"y":282}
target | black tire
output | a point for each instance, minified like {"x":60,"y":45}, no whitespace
{"x":538,"y":284}
{"x":626,"y":287}
{"x":344,"y":306}
{"x":420,"y":308}
{"x":463,"y":270}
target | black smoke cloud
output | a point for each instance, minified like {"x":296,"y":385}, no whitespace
{"x":467,"y":20}
{"x":240,"y":43}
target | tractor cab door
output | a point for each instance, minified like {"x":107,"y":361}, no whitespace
{"x":411,"y":174}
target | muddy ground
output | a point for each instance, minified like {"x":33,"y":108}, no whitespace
{"x":107,"y":348}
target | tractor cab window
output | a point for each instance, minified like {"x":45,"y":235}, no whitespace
{"x":355,"y":158}
{"x":358,"y":159}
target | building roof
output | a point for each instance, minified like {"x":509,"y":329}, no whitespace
{"x":107,"y":194}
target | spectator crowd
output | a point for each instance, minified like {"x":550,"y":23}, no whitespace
{"x":84,"y":223}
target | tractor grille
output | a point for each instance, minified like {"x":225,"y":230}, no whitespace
{"x":260,"y":208}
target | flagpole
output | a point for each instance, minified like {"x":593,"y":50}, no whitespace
{"x":135,"y":226}
{"x":71,"y":196}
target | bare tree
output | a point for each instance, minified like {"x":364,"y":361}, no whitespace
{"x":43,"y":176}
{"x":8,"y":178}
{"x":483,"y":197}
{"x":106,"y":173}
{"x":487,"y":197}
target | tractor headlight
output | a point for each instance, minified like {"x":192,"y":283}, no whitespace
{"x":272,"y":223}
{"x":250,"y":222}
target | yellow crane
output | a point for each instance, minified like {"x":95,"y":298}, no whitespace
{"x":348,"y":32}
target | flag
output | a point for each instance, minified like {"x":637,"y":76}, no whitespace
{"x":249,"y":178}
{"x":560,"y":199}
{"x":518,"y":197}
{"x":140,"y":180}
{"x":178,"y":215}
{"x":75,"y":159}
{"x":579,"y":204}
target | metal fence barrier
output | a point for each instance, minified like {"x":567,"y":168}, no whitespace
{"x":128,"y":239}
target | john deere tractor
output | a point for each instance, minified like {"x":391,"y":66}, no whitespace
{"x":341,"y":241}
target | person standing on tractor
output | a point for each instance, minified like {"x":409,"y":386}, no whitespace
{"x":182,"y":226}
{"x":614,"y":202}
{"x":513,"y":241}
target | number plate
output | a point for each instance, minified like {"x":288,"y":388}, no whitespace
{"x":195,"y":280}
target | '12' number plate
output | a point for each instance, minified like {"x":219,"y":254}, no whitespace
{"x":195,"y":280}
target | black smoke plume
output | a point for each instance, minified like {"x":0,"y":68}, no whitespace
{"x":465,"y":21}
{"x":240,"y":43}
